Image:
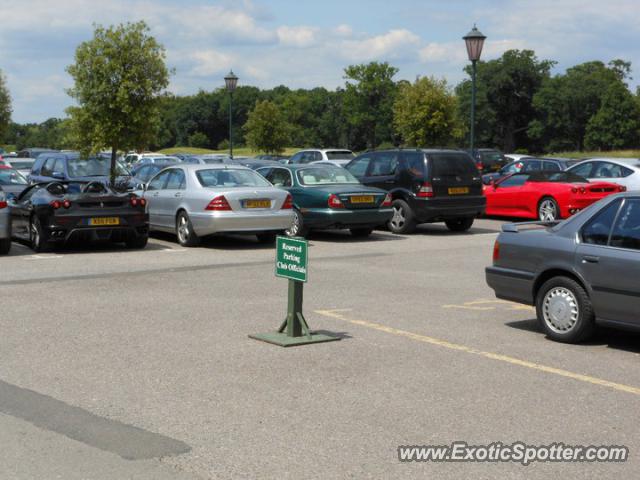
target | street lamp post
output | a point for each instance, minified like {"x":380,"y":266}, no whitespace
{"x":231,"y":81}
{"x":474,"y":41}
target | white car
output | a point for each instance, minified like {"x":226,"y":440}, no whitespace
{"x":623,"y":171}
{"x":132,"y":158}
{"x":23,"y":165}
{"x":337,"y":156}
{"x":514,"y":157}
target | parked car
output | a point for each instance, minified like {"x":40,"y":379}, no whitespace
{"x":336,"y":156}
{"x":488,"y":159}
{"x":329,"y":197}
{"x":255,"y":163}
{"x":51,"y":213}
{"x":512,"y":157}
{"x":578,"y":273}
{"x":528,"y":164}
{"x":182,"y":155}
{"x":209,"y":159}
{"x":141,"y":174}
{"x":275,"y":158}
{"x":547,"y":196}
{"x":34,"y":152}
{"x":195,"y":201}
{"x":150,"y":159}
{"x":71,"y":166}
{"x":5,"y":224}
{"x":624,"y":171}
{"x":431,"y":185}
{"x":132,"y":158}
{"x":12,"y":181}
{"x":24,"y":165}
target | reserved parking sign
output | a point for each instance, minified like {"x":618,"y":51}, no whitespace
{"x":291,"y":258}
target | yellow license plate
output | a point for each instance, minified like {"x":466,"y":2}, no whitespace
{"x":458,"y":190}
{"x":257,"y":204}
{"x":104,"y":221}
{"x":362,"y":199}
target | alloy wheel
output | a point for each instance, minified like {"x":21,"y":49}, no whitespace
{"x":398,"y":220}
{"x":294,"y":229}
{"x":183,"y":229}
{"x":547,"y":211}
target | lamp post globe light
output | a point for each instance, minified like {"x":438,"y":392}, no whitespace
{"x":474,"y":41}
{"x":231,"y":81}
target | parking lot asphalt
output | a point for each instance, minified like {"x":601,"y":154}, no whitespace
{"x":137,"y":364}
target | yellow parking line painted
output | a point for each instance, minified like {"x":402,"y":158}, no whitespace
{"x":468,"y":307}
{"x":337,"y":314}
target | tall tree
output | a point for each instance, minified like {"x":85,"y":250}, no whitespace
{"x":119,"y":75}
{"x":368,"y":100}
{"x":424,"y":113}
{"x":267,"y":129}
{"x":506,"y":87}
{"x":5,"y":106}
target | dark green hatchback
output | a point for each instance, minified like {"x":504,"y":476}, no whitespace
{"x":329,"y":197}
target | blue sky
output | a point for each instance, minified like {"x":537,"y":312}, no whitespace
{"x":304,"y":43}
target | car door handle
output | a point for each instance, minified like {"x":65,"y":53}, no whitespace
{"x":390,"y":182}
{"x":590,"y":259}
{"x":155,"y":194}
{"x":178,"y":195}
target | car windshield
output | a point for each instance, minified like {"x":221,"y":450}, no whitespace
{"x":340,"y":155}
{"x":93,"y":167}
{"x":21,"y":165}
{"x":491,"y":156}
{"x":8,"y":176}
{"x":326,"y":176}
{"x":230,"y":178}
{"x":559,"y":177}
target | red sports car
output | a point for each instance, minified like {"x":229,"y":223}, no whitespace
{"x":547,"y":196}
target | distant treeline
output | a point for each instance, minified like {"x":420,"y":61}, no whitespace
{"x":520,"y":107}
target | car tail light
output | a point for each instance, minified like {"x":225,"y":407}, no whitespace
{"x":496,"y":251}
{"x":622,"y":188}
{"x":426,"y":190}
{"x":66,"y":203}
{"x":137,"y":202}
{"x":388,"y":201}
{"x":56,"y":204}
{"x":3,"y":201}
{"x":219,"y":204}
{"x":576,"y":190}
{"x":288,"y":203}
{"x":480,"y":166}
{"x":335,"y":202}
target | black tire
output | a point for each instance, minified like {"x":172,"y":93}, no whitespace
{"x":361,"y":232}
{"x":297,"y":228}
{"x":137,"y":243}
{"x":5,"y":246}
{"x":459,"y":224}
{"x":548,"y":209}
{"x":403,"y":220}
{"x":37,"y":236}
{"x":267,"y":238}
{"x":184,"y":231}
{"x":556,"y":325}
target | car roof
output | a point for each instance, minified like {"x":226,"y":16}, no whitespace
{"x":210,"y":166}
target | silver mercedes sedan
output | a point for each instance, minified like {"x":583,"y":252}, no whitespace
{"x":194,"y":201}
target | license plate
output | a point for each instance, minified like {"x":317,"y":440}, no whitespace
{"x":458,"y":190}
{"x":362,"y":199}
{"x":257,"y":204}
{"x":104,"y":221}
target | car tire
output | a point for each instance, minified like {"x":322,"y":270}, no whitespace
{"x":403,"y":220}
{"x":37,"y":236}
{"x":267,"y":238}
{"x":459,"y":224}
{"x":297,"y":228}
{"x":564,"y":310}
{"x":5,"y":246}
{"x":361,"y":232}
{"x":184,"y":231}
{"x":548,"y":210}
{"x":137,"y":243}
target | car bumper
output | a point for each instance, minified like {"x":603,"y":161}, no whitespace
{"x":330,"y":218}
{"x":228,"y":222}
{"x":67,"y":227}
{"x":439,"y":209}
{"x":513,"y":285}
{"x":5,"y":224}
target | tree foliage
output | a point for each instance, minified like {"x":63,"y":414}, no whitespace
{"x":5,"y":106}
{"x":424,"y":113}
{"x":267,"y":129}
{"x":118,"y":77}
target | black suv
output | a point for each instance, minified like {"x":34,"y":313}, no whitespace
{"x":426,"y":185}
{"x":488,"y":160}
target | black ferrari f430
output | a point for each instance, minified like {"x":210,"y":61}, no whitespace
{"x":53,"y":213}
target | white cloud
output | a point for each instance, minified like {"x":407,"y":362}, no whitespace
{"x":297,"y":36}
{"x":343,"y":30}
{"x":391,"y":44}
{"x":209,"y":62}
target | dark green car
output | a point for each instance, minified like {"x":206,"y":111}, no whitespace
{"x":327,"y":197}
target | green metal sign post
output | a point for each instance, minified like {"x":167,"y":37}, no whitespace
{"x":291,"y":263}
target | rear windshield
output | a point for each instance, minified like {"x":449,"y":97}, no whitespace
{"x":448,"y":165}
{"x":488,"y":157}
{"x":340,"y":155}
{"x":93,"y":167}
{"x":326,"y":176}
{"x":228,"y":178}
{"x":21,"y":165}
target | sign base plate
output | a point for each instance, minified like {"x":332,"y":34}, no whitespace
{"x":282,"y":340}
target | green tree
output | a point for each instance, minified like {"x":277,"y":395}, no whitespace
{"x":119,"y":75}
{"x":267,"y":129}
{"x":5,"y":106}
{"x":504,"y":105}
{"x":617,"y":123}
{"x":368,"y":100}
{"x":424,"y":113}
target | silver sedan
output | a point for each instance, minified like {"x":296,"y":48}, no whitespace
{"x":194,"y":201}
